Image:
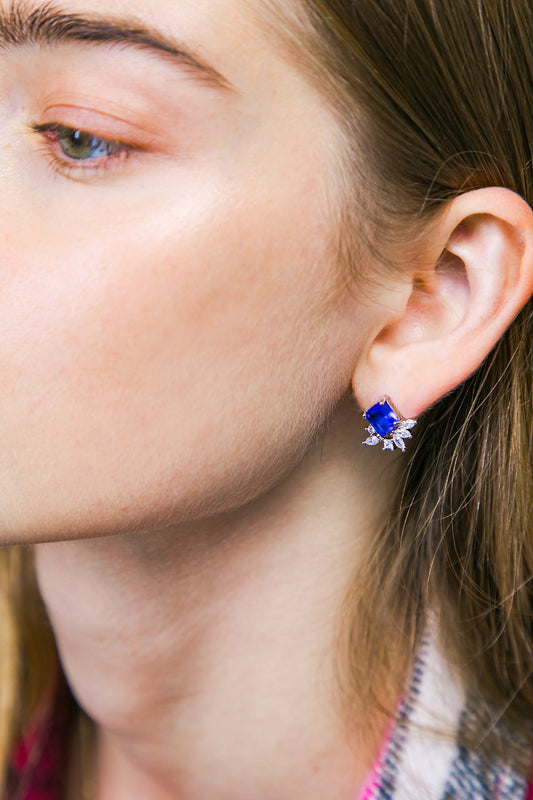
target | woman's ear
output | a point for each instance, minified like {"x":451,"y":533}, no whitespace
{"x":478,"y":274}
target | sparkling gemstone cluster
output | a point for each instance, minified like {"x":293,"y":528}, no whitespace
{"x":387,"y":426}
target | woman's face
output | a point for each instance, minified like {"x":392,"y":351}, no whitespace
{"x":171,"y":330}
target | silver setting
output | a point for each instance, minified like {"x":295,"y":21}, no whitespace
{"x":396,"y":438}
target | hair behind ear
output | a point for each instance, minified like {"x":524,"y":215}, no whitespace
{"x":460,"y":542}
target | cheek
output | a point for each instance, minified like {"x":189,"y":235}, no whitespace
{"x":153,"y":377}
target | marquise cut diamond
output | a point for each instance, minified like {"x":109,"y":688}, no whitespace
{"x":387,"y":426}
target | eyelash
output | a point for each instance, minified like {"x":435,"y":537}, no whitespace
{"x":115,"y":152}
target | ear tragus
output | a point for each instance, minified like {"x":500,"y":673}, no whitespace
{"x":458,"y":307}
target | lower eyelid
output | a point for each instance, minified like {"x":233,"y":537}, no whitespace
{"x":81,"y":172}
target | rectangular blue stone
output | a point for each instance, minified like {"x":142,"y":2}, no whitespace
{"x":382,"y":417}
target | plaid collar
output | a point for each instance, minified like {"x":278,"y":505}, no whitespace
{"x":422,"y":758}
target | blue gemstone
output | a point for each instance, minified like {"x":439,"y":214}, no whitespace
{"x":382,"y":418}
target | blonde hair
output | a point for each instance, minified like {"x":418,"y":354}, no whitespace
{"x":28,"y":657}
{"x":435,"y":98}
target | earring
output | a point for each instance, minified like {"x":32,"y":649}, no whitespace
{"x":387,"y":426}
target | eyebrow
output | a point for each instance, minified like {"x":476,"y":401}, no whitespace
{"x":48,"y":25}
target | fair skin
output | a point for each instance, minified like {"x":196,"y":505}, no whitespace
{"x":175,"y":337}
{"x":208,"y":657}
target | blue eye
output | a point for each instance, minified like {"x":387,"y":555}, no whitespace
{"x":81,"y":145}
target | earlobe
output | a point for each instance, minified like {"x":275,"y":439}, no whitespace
{"x":478,"y":279}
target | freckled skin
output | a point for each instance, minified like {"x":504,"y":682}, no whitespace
{"x":171,"y":337}
{"x":177,"y":348}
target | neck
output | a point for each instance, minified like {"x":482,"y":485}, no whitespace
{"x":206,"y":655}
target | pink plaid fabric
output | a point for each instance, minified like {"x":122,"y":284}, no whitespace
{"x":38,"y":765}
